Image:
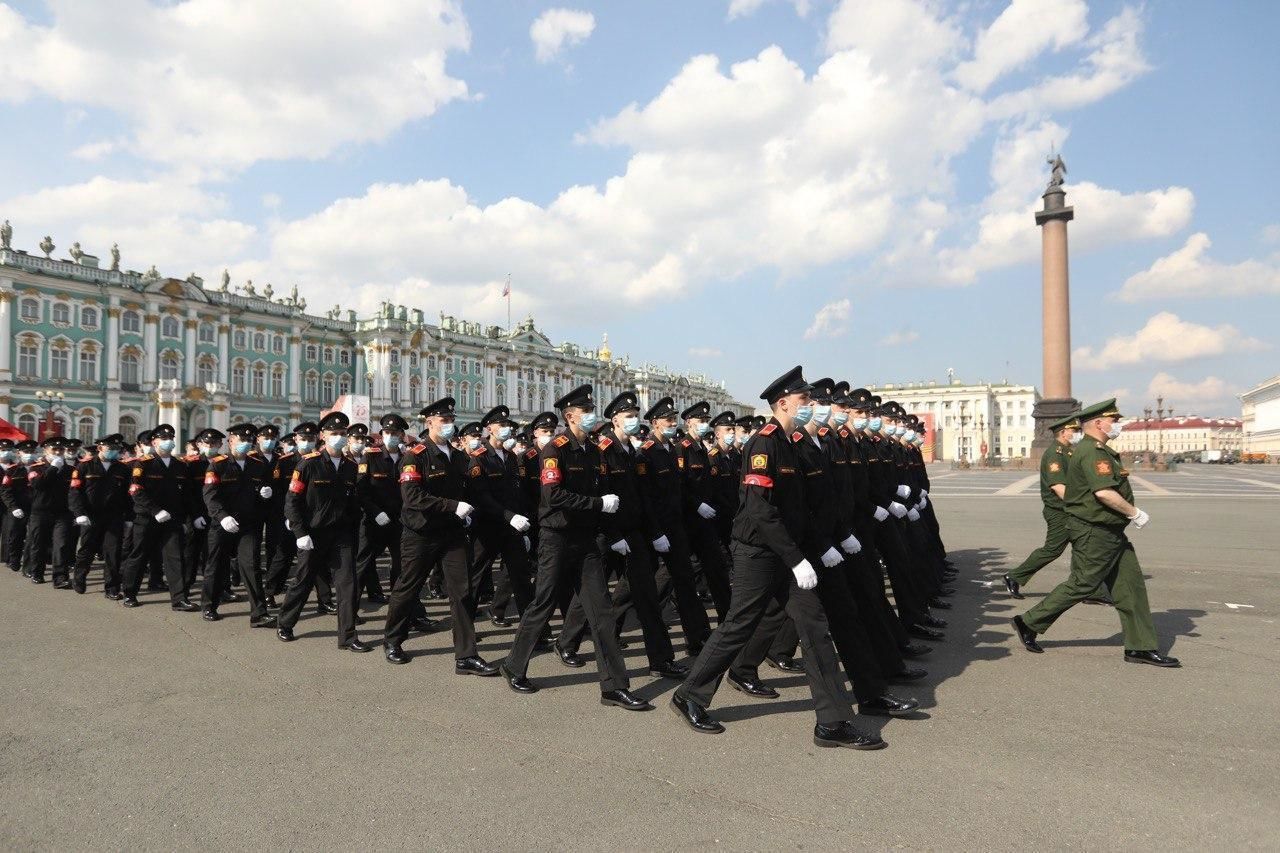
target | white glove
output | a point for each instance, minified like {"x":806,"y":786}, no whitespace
{"x":924,"y":501}
{"x":57,"y":462}
{"x":851,"y":545}
{"x":610,"y":503}
{"x":897,"y":509}
{"x":162,"y":516}
{"x":230,"y":525}
{"x":464,"y":509}
{"x":904,"y":491}
{"x":18,"y":513}
{"x":199,"y":524}
{"x":82,"y":520}
{"x":913,"y":515}
{"x":288,"y":525}
{"x":528,"y":546}
{"x":519,"y":523}
{"x":831,"y":558}
{"x":924,"y":493}
{"x":806,"y":577}
{"x":706,"y":512}
{"x":662,"y":544}
{"x":466,"y":522}
{"x":305,"y":543}
{"x":621,"y":547}
{"x":382,"y":519}
{"x":1140,"y":520}
{"x":881,"y":513}
{"x":265,"y":491}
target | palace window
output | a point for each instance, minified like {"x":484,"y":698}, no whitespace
{"x":170,"y":327}
{"x":464,"y":395}
{"x":312,"y":387}
{"x":259,"y":380}
{"x":328,"y":355}
{"x":29,"y":310}
{"x":395,"y":358}
{"x":27,"y":423}
{"x":395,"y":389}
{"x":344,"y":383}
{"x":208,"y":334}
{"x":327,"y":389}
{"x":312,"y":352}
{"x":88,"y":365}
{"x":60,"y":314}
{"x":448,"y":365}
{"x":259,"y":342}
{"x":170,"y":366}
{"x":344,"y":357}
{"x":130,"y":368}
{"x":86,"y":429}
{"x":89,"y":318}
{"x":238,"y":377}
{"x":413,"y":361}
{"x":129,"y":428}
{"x":206,"y":371}
{"x":28,"y":359}
{"x":59,"y":363}
{"x":500,"y":371}
{"x":131,"y":321}
{"x":240,"y":340}
{"x":277,"y":382}
{"x":415,"y":391}
{"x":431,"y":362}
{"x":277,"y":344}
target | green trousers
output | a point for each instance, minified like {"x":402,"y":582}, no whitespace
{"x":1055,"y":542}
{"x":1101,"y":554}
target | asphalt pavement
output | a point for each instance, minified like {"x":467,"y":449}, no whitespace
{"x":149,"y":729}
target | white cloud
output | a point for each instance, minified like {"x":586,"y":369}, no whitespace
{"x":896,"y":35}
{"x":1206,"y":397}
{"x":899,"y":338}
{"x":743,"y":8}
{"x":831,"y":321}
{"x":94,"y":151}
{"x":705,"y":352}
{"x":1024,"y":30}
{"x":1271,"y":233}
{"x":556,"y":28}
{"x":1188,"y":272}
{"x":225,"y":83}
{"x":1166,"y":338}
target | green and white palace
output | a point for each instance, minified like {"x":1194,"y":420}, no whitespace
{"x":91,"y":349}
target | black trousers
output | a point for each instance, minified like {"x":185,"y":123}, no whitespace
{"x":906,"y":595}
{"x":195,"y":555}
{"x":276,"y":570}
{"x":15,"y":537}
{"x":570,"y":561}
{"x":679,"y":566}
{"x":758,"y":578}
{"x":419,"y":554}
{"x":281,"y":567}
{"x":47,"y":537}
{"x":102,"y":536}
{"x":243,"y":547}
{"x":704,"y":541}
{"x":335,"y":551}
{"x":151,"y":541}
{"x":636,"y":589}
{"x":374,"y":540}
{"x":64,"y":557}
{"x":516,"y":580}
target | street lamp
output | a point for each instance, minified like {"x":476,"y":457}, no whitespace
{"x":49,"y":399}
{"x":1160,"y":424}
{"x":1146,"y":431}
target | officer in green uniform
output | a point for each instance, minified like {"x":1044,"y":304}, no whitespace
{"x":1099,"y":505}
{"x":1053,"y":485}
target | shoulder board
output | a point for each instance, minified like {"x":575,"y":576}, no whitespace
{"x":1058,"y":449}
{"x":312,"y":455}
{"x":798,"y":435}
{"x":220,"y":457}
{"x":823,"y":431}
{"x":478,"y":452}
{"x":561,"y":440}
{"x":843,"y":432}
{"x":648,"y":444}
{"x":417,"y":448}
{"x":715,"y":451}
{"x":606,"y":443}
{"x":531,"y":453}
{"x":768,"y":429}
{"x":373,"y":450}
{"x":286,"y":454}
{"x":191,"y":457}
{"x":686,"y":442}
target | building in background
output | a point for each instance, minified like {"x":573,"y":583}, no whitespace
{"x":1260,"y":413}
{"x":90,"y":350}
{"x":971,"y":422}
{"x":1178,"y":435}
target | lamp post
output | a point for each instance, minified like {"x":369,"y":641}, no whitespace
{"x":49,"y":399}
{"x":1146,"y":431}
{"x":1160,"y":425}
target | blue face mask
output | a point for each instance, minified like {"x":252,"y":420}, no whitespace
{"x":305,"y":446}
{"x":821,"y":414}
{"x":473,"y":443}
{"x":210,"y":452}
{"x":504,"y":433}
{"x":391,"y":442}
{"x":803,"y":415}
{"x":899,"y":430}
{"x":267,"y":444}
{"x":240,"y":448}
{"x":701,"y":430}
{"x":509,"y":444}
{"x":446,"y":431}
{"x":111,"y":455}
{"x":910,"y":435}
{"x":874,"y":424}
{"x":630,"y":426}
{"x":589,"y":421}
{"x":28,"y":458}
{"x":859,"y":423}
{"x":669,"y":432}
{"x":839,"y":418}
{"x":729,"y":439}
{"x":336,"y":442}
{"x":166,"y":445}
{"x":7,"y":455}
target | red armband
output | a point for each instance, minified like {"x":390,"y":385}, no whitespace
{"x":32,"y":476}
{"x":6,"y":481}
{"x":134,"y":488}
{"x":550,"y":476}
{"x":410,"y":475}
{"x":211,"y":479}
{"x":297,"y":486}
{"x":758,"y":480}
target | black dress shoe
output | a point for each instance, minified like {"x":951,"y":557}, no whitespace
{"x":474,"y":665}
{"x":694,"y":715}
{"x":914,"y":650}
{"x":376,"y":598}
{"x":1014,"y":588}
{"x":945,"y":592}
{"x":1149,"y":657}
{"x":158,"y":587}
{"x":920,"y":632}
{"x":394,"y":654}
{"x":939,"y":603}
{"x":270,"y":603}
{"x":422,"y":624}
{"x":543,"y":645}
{"x":499,"y":621}
{"x":1026,"y":635}
{"x":326,"y":608}
{"x":285,"y":635}
{"x":751,"y":687}
{"x":61,"y":583}
{"x":130,"y":601}
{"x":624,"y":699}
{"x":518,"y":683}
{"x":888,"y":706}
{"x":693,"y":650}
{"x":669,"y":669}
{"x":113,"y":595}
{"x":37,"y":578}
{"x":934,"y":622}
{"x":210,"y":615}
{"x":570,"y":660}
{"x":184,"y":606}
{"x":229,"y":597}
{"x":80,"y":589}
{"x":785,"y":664}
{"x":845,"y":735}
{"x":907,"y":676}
{"x":267,"y":621}
{"x":356,"y":646}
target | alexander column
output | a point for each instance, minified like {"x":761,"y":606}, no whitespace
{"x":1056,"y":306}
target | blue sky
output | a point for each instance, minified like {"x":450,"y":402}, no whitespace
{"x":729,"y":186}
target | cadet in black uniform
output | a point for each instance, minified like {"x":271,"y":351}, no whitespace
{"x":661,"y":490}
{"x":16,"y":498}
{"x":323,"y":512}
{"x":435,"y":515}
{"x":49,"y":521}
{"x":700,"y":506}
{"x":769,"y":564}
{"x":725,"y":460}
{"x":569,"y":554}
{"x":378,"y":487}
{"x":99,"y":500}
{"x":625,"y":538}
{"x":158,"y":487}
{"x":367,"y":579}
{"x":237,"y":490}
{"x":64,"y":553}
{"x":208,"y":444}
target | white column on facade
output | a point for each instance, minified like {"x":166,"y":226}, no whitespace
{"x":489,"y":391}
{"x":6,"y":327}
{"x":423,"y":375}
{"x":189,"y":361}
{"x":402,"y":393}
{"x":224,"y":352}
{"x":440,"y":377}
{"x":111,"y":418}
{"x":295,"y":364}
{"x":361,"y":370}
{"x":113,"y":346}
{"x":150,"y":341}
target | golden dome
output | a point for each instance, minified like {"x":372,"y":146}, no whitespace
{"x":606,"y":354}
